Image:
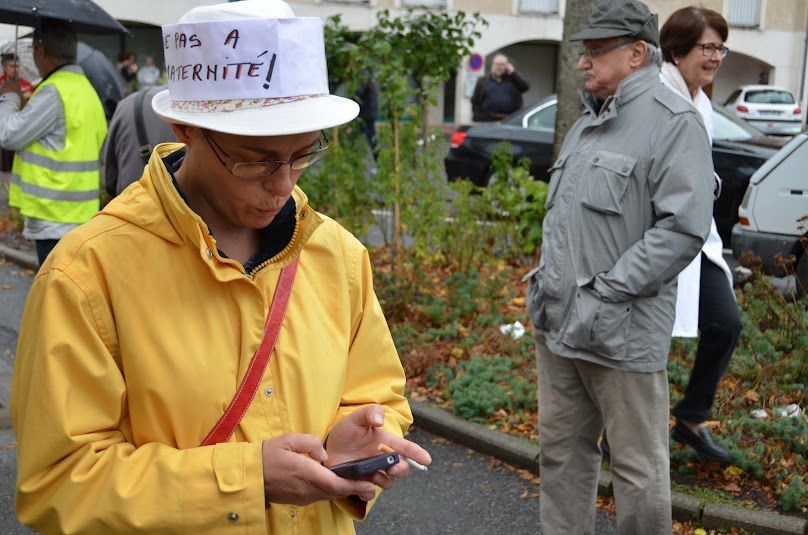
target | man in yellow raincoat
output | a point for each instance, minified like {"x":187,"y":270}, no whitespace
{"x":142,"y":324}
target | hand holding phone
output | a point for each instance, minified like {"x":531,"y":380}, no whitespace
{"x":360,"y":468}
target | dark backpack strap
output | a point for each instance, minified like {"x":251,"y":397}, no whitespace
{"x":144,"y":148}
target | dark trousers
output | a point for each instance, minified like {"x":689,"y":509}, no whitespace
{"x":719,"y":329}
{"x":369,"y":129}
{"x":43,"y":249}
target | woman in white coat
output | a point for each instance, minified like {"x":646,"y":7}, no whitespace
{"x":692,"y":42}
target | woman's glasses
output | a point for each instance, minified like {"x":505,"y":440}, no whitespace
{"x":265,"y":168}
{"x":708,"y":49}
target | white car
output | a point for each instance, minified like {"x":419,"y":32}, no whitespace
{"x":773,"y":216}
{"x":770,"y":109}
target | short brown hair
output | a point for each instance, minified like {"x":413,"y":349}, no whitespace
{"x":683,"y":29}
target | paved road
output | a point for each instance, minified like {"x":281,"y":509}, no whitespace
{"x":464,"y":492}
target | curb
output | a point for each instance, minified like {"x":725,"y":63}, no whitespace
{"x":525,"y":454}
{"x":18,"y":257}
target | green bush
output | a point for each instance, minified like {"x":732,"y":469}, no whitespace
{"x":795,"y":495}
{"x":477,"y":391}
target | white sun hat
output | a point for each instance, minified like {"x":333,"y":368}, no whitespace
{"x":249,"y":68}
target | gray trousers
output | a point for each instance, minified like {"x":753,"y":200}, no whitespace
{"x":576,"y":400}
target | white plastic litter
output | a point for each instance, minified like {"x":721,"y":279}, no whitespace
{"x":760,"y":414}
{"x":789,"y":411}
{"x":741,"y":274}
{"x":515,"y":330}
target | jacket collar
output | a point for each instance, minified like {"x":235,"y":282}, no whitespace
{"x":629,"y":88}
{"x":155,"y":205}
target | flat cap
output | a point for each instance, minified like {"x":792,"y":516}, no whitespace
{"x":620,"y":18}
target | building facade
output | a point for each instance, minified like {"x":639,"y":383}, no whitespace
{"x":767,"y":38}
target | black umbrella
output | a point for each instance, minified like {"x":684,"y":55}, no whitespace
{"x":85,"y":15}
{"x":103,"y":76}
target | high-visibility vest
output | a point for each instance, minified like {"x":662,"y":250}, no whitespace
{"x":63,"y":185}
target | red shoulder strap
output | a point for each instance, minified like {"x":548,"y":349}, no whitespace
{"x":227,"y":424}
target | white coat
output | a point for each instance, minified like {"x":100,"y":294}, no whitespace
{"x":687,"y":297}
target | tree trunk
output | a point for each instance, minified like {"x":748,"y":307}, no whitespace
{"x":569,"y":104}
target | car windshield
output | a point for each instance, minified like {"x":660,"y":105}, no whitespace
{"x":726,"y":127}
{"x":543,"y":120}
{"x":769,"y":96}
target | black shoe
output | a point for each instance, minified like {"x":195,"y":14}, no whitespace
{"x":605,"y":451}
{"x":702,"y":442}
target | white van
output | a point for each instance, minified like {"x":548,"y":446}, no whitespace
{"x":770,"y":212}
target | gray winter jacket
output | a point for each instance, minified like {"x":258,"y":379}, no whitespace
{"x":628,"y":207}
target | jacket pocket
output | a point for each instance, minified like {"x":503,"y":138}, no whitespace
{"x":535,"y":303}
{"x":542,"y":307}
{"x":607,"y":182}
{"x":598,"y":327}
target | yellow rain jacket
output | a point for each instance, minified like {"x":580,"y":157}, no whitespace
{"x":134,"y":338}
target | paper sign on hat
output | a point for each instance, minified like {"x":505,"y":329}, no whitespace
{"x":249,"y":68}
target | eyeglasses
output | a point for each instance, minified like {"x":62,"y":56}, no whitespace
{"x":267,"y":167}
{"x":590,"y":53}
{"x":708,"y":49}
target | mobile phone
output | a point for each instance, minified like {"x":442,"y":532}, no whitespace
{"x":364,"y":467}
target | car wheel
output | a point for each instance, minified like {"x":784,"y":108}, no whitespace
{"x":802,"y":274}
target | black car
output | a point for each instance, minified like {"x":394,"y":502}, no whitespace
{"x":738,"y":150}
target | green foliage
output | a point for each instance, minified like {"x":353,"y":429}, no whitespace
{"x":795,"y":495}
{"x":339,"y":185}
{"x":518,"y":200}
{"x":486,"y":384}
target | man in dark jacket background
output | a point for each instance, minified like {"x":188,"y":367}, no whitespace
{"x":498,"y":94}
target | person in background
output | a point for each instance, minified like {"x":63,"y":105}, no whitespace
{"x":148,"y":76}
{"x":628,"y":207}
{"x":11,"y":70}
{"x":692,"y":42}
{"x":127,"y":66}
{"x":368,"y":98}
{"x":498,"y":94}
{"x":57,"y":136}
{"x":128,"y":146}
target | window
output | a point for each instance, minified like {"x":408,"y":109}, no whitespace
{"x":538,"y":6}
{"x":733,"y":97}
{"x":543,"y":120}
{"x":728,"y":128}
{"x":744,"y":13}
{"x":769,"y":96}
{"x":424,"y":3}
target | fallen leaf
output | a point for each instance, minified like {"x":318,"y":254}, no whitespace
{"x":523,"y":495}
{"x":525,"y":474}
{"x":734,"y":470}
{"x":752,"y":396}
{"x":6,"y":287}
{"x":730,"y":487}
{"x":457,"y":465}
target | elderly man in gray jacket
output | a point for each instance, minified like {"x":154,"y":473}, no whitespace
{"x":628,"y":207}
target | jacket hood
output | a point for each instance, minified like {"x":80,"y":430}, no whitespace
{"x":155,"y":205}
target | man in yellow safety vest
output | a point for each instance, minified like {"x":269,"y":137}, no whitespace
{"x":58,"y":136}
